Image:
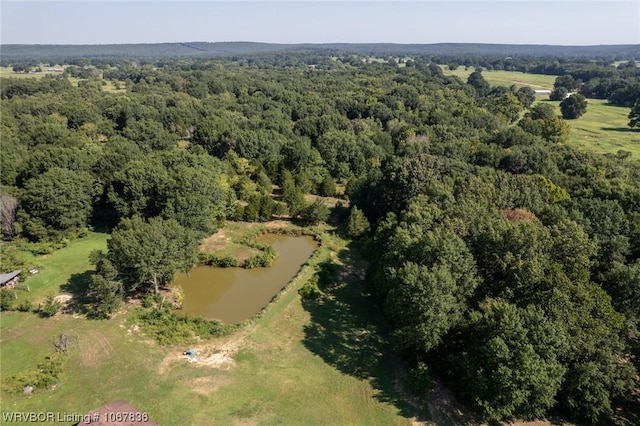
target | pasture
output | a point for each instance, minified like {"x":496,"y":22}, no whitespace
{"x":107,"y":85}
{"x":506,"y":78}
{"x":7,"y":72}
{"x":301,"y":362}
{"x":603,"y":129}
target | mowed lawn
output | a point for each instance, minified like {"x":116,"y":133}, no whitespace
{"x":297,"y":363}
{"x":62,"y":270}
{"x":603,"y":129}
{"x":506,"y":78}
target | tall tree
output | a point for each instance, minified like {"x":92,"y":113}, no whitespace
{"x":56,"y":203}
{"x":573,"y":107}
{"x":476,"y":79}
{"x":357,"y":224}
{"x":150,"y":253}
{"x":509,"y":364}
{"x":8,"y":207}
{"x":526,"y":95}
{"x":634,"y":115}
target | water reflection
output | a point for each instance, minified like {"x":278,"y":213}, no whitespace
{"x":235,"y":294}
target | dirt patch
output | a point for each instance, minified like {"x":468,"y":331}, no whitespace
{"x":277,"y":224}
{"x":215,"y":242}
{"x":63,"y":298}
{"x":214,"y":354}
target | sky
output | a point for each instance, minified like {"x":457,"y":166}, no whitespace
{"x":561,"y":22}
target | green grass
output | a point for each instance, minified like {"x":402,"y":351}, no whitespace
{"x":298,"y":363}
{"x":8,"y":72}
{"x":61,"y":270}
{"x":603,"y":129}
{"x":506,"y":78}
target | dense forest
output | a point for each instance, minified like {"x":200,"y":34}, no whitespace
{"x":42,"y":52}
{"x":506,"y":262}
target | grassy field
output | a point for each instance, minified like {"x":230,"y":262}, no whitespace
{"x":56,"y":269}
{"x":298,"y":362}
{"x":603,"y":129}
{"x":506,"y":78}
{"x":7,"y":72}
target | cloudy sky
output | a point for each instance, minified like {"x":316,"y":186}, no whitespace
{"x":562,"y":22}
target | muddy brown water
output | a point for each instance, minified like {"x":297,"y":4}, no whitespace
{"x":235,"y":294}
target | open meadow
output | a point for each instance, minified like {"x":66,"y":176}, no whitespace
{"x":603,"y":129}
{"x":506,"y":78}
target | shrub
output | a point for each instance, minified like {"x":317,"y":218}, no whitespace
{"x":169,"y":328}
{"x":148,"y":300}
{"x":315,"y":213}
{"x":211,"y":259}
{"x":357,"y":223}
{"x":7,"y":298}
{"x":261,"y":260}
{"x":51,"y":306}
{"x":44,"y":376}
{"x":310,"y":289}
{"x":420,"y":378}
{"x":25,"y":306}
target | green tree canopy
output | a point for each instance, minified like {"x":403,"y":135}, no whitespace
{"x":634,"y":115}
{"x":573,"y":107}
{"x":58,"y":202}
{"x":149,"y":253}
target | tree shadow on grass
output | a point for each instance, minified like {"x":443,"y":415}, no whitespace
{"x":346,"y":331}
{"x":78,"y":287}
{"x":620,"y":129}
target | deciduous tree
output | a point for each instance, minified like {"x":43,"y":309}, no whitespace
{"x":149,"y":253}
{"x":573,"y":107}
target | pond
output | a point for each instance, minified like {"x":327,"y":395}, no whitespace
{"x":235,"y":294}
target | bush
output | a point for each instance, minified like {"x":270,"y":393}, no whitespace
{"x":261,"y":260}
{"x":212,"y":259}
{"x":51,"y":307}
{"x":315,"y":213}
{"x":25,"y":306}
{"x":169,"y":328}
{"x":44,"y":376}
{"x":310,"y":289}
{"x":148,"y":300}
{"x":420,"y":379}
{"x":357,"y":223}
{"x":7,"y":298}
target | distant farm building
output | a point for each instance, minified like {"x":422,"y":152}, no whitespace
{"x":10,"y":279}
{"x":542,"y":92}
{"x":55,"y":69}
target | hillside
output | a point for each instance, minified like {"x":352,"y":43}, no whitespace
{"x":35,"y":51}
